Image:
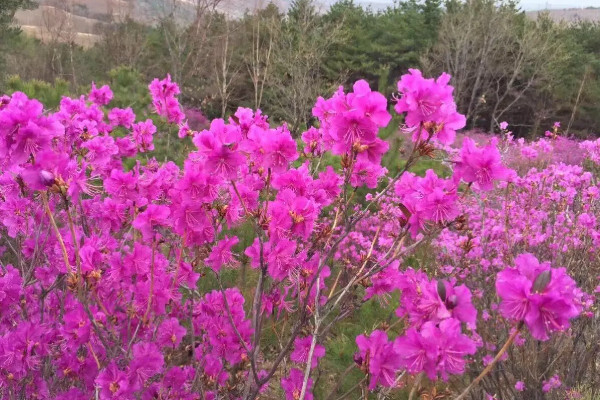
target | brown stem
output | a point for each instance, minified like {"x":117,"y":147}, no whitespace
{"x":235,"y":329}
{"x":491,"y":365}
{"x":416,"y":386}
{"x":340,"y":380}
{"x":75,"y":244}
{"x":56,"y":230}
{"x":151,"y":282}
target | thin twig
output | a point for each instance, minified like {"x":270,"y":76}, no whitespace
{"x":491,"y":365}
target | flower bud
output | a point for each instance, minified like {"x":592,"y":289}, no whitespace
{"x":542,"y":281}
{"x":441,"y":289}
{"x":47,"y":178}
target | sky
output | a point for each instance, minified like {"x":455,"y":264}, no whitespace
{"x":526,"y":4}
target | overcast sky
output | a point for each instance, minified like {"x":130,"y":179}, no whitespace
{"x":526,"y":4}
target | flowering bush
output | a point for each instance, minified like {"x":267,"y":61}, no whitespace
{"x":119,"y":282}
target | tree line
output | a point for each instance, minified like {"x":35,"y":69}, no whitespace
{"x":505,"y":66}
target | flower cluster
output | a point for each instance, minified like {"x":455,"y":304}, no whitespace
{"x":125,"y":277}
{"x":544,"y":298}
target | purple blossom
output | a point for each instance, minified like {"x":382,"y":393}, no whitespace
{"x":380,"y":358}
{"x":544,"y":298}
{"x":292,"y":385}
{"x":302,"y":348}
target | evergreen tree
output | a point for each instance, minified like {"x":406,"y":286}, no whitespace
{"x":8,"y":9}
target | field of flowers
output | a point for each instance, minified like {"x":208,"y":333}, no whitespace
{"x":326,"y":267}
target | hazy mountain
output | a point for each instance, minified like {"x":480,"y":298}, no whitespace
{"x":81,"y":21}
{"x":570,"y":14}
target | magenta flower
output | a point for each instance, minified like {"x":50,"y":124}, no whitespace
{"x":121,"y":117}
{"x":147,"y":362}
{"x":280,"y":150}
{"x":164,"y":99}
{"x":544,"y":298}
{"x":371,"y":104}
{"x":428,"y":200}
{"x":302,"y":348}
{"x":441,"y":300}
{"x":49,"y":167}
{"x":77,"y":326}
{"x":10,"y":286}
{"x":379,"y":357}
{"x":113,"y":383}
{"x":481,"y":166}
{"x":435,"y":350}
{"x":366,"y":173}
{"x":313,"y":140}
{"x":101,"y":96}
{"x":170,"y":333}
{"x":384,"y":282}
{"x":213,"y":368}
{"x":292,"y":385}
{"x":101,"y":150}
{"x":24,"y":131}
{"x":520,"y":386}
{"x":428,"y":100}
{"x":219,"y":147}
{"x":551,"y":384}
{"x":280,"y":258}
{"x":142,"y":135}
{"x":348,"y":129}
{"x":292,"y":214}
{"x":221,"y":254}
{"x":155,"y":215}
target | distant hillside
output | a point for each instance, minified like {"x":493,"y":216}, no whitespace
{"x":72,"y":20}
{"x":81,"y":21}
{"x":571,"y":14}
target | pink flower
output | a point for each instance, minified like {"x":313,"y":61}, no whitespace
{"x":380,"y":357}
{"x":77,"y":326}
{"x":520,"y":386}
{"x":302,"y":348}
{"x":221,"y":254}
{"x":123,"y":117}
{"x":113,"y":383}
{"x":164,"y":99}
{"x":218,"y":146}
{"x":292,"y":214}
{"x":24,"y":131}
{"x":366,"y":173}
{"x":441,"y":300}
{"x":503,"y":125}
{"x":428,"y":100}
{"x":213,"y":368}
{"x":481,"y":166}
{"x":142,"y":135}
{"x":545,"y":298}
{"x":280,"y":258}
{"x":372,"y":104}
{"x":313,"y":140}
{"x":435,"y":350}
{"x":101,"y":96}
{"x":385,"y":281}
{"x":292,"y":385}
{"x":154,"y":215}
{"x":487,"y":359}
{"x":170,"y":333}
{"x":147,"y":361}
{"x":551,"y":384}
